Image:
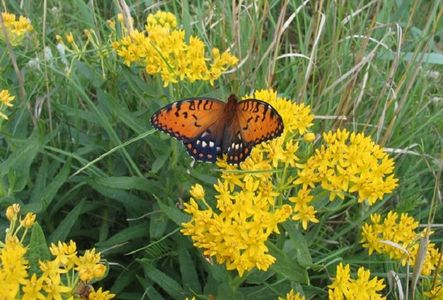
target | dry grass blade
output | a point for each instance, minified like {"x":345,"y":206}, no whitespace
{"x":394,"y":279}
{"x":313,"y":54}
{"x":419,"y":262}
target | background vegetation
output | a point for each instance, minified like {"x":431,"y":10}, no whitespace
{"x":370,"y":66}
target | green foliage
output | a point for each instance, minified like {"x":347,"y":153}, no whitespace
{"x":78,"y":148}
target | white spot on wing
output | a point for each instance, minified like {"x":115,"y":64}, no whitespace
{"x":204,"y":144}
{"x":211,"y":144}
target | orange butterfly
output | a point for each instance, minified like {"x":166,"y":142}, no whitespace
{"x":210,"y":128}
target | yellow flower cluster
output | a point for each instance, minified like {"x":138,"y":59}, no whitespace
{"x":236,"y":234}
{"x":344,"y":287}
{"x":58,"y":277}
{"x":161,"y":48}
{"x":5,"y":102}
{"x":292,"y":295}
{"x":436,"y":293}
{"x":350,"y":162}
{"x":396,"y":236}
{"x":248,"y":208}
{"x":16,"y":29}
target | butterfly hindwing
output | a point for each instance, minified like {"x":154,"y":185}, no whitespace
{"x":237,"y":150}
{"x":258,"y":121}
{"x":186,"y":119}
{"x":205,"y":147}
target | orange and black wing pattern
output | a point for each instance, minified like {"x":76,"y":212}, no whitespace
{"x":188,"y":118}
{"x":197,"y":122}
{"x":258,"y":121}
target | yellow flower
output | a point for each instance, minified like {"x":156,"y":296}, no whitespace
{"x":51,"y":269}
{"x":5,"y":102}
{"x":13,"y":266}
{"x":100,"y":295}
{"x":309,"y":137}
{"x":111,"y":24}
{"x":70,"y":38}
{"x":89,"y":266}
{"x":55,"y":282}
{"x":350,"y":163}
{"x":65,"y":254}
{"x":197,"y":192}
{"x":29,"y":220}
{"x":120,"y":17}
{"x":303,"y":211}
{"x":344,"y":287}
{"x":162,"y":19}
{"x":436,"y":293}
{"x":54,"y":288}
{"x":32,"y":288}
{"x":12,"y":211}
{"x":381,"y":237}
{"x":16,"y":28}
{"x":162,"y":49}
{"x":292,"y":295}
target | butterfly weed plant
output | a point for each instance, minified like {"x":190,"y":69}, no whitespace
{"x":344,"y":203}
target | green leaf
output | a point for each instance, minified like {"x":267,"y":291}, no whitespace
{"x":150,"y":291}
{"x":159,"y":162}
{"x":298,"y":242}
{"x":37,"y":249}
{"x":157,"y":224}
{"x":168,"y":284}
{"x":125,"y":235}
{"x":173,"y":213}
{"x":47,"y":195}
{"x":135,"y":205}
{"x":18,"y":164}
{"x":187,"y":268}
{"x":128,"y":183}
{"x":65,"y":226}
{"x":287,"y":267}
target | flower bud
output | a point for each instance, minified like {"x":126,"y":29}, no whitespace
{"x":29,"y":220}
{"x":70,"y":38}
{"x":12,"y":211}
{"x":99,"y":271}
{"x":309,"y":137}
{"x":197,"y":192}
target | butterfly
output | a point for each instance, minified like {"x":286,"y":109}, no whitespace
{"x":210,"y":128}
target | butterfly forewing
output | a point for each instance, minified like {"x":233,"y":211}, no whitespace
{"x":188,"y":118}
{"x":258,"y":121}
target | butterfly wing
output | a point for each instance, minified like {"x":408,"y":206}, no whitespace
{"x":237,"y":150}
{"x":258,"y":121}
{"x":207,"y":146}
{"x":197,"y":122}
{"x":187,"y":119}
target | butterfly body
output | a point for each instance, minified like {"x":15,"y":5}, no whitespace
{"x":210,"y":128}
